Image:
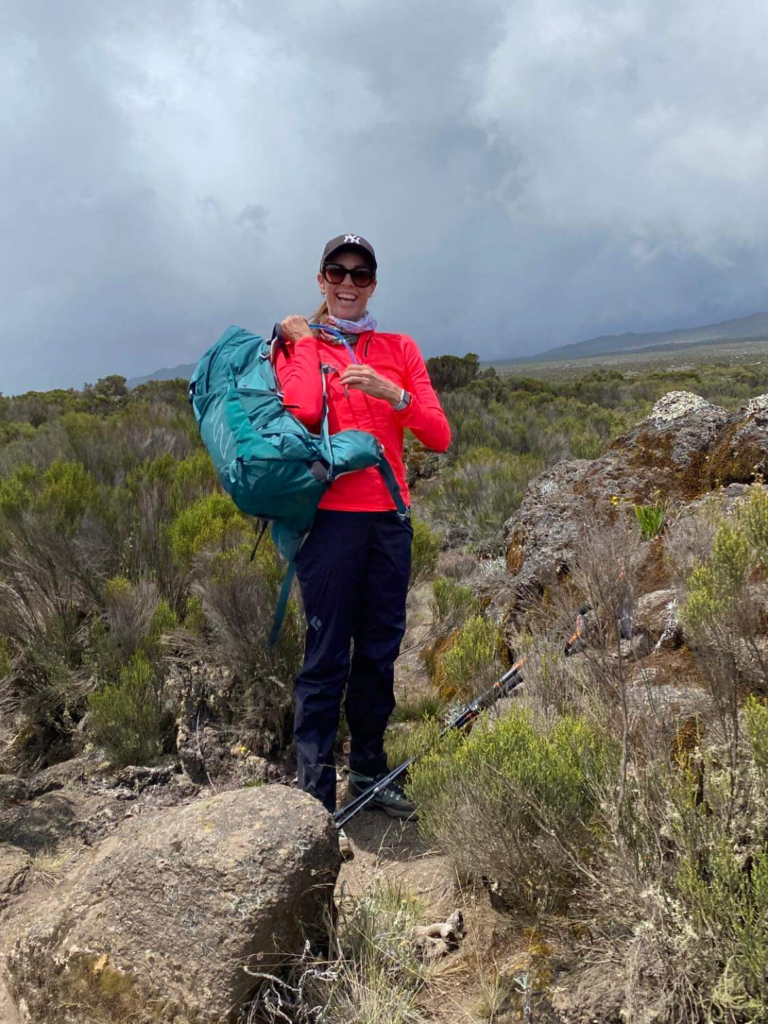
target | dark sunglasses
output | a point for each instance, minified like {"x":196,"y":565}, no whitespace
{"x":334,"y":273}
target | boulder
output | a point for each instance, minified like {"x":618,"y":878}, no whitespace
{"x":656,"y":615}
{"x":13,"y":790}
{"x":14,"y":866}
{"x":685,"y":449}
{"x":162,"y":923}
{"x":666,"y":701}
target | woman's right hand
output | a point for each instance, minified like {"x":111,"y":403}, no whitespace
{"x":295,"y":327}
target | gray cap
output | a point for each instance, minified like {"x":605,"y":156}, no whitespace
{"x":349,"y":242}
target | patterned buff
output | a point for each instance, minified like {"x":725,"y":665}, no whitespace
{"x":366,"y":323}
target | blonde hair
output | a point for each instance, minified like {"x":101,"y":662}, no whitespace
{"x":320,"y":315}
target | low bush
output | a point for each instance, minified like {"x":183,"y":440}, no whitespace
{"x":211,"y":521}
{"x":452,"y":602}
{"x":756,"y":720}
{"x":130,"y":718}
{"x":479,"y":494}
{"x":469,"y":663}
{"x":511,"y":801}
{"x":424,"y":551}
{"x":236,"y":597}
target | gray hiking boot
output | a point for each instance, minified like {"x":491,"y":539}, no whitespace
{"x":391,"y":800}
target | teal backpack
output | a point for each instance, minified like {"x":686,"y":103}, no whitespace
{"x":270,"y":464}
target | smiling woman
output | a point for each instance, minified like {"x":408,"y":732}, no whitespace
{"x":355,"y":564}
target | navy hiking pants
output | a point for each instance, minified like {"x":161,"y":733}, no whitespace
{"x":353,"y":569}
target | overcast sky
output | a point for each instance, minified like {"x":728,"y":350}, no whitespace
{"x":531,"y":173}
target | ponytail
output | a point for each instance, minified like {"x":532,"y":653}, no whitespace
{"x":320,"y":315}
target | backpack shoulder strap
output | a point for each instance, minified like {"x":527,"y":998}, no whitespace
{"x":385,"y":468}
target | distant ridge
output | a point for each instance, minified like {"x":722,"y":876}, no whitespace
{"x":183,"y":370}
{"x":745,"y":328}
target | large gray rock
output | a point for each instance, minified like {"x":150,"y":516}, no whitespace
{"x":13,"y":790}
{"x":685,"y":449}
{"x":161,"y":924}
{"x":656,"y":614}
{"x":14,"y":866}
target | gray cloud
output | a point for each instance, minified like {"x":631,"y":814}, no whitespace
{"x":531,"y":173}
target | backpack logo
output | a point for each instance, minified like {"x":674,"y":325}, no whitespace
{"x":352,"y":239}
{"x":218,"y":429}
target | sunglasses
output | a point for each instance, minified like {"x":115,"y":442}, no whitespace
{"x":362,"y":277}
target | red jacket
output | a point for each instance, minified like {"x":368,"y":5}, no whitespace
{"x":394,"y":356}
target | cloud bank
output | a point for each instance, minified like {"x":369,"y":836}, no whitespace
{"x":530,"y":173}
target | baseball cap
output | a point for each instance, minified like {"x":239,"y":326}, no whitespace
{"x":349,"y":242}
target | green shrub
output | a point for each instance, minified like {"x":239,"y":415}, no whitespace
{"x":403,"y":740}
{"x":713,"y":587}
{"x":209,"y":521}
{"x":16,"y":490}
{"x":424,"y":552}
{"x":752,"y":516}
{"x":164,"y":621}
{"x":417,"y":709}
{"x":194,"y":616}
{"x":479,"y":493}
{"x":68,"y":491}
{"x":129,"y":718}
{"x":452,"y":602}
{"x":505,"y":802}
{"x":238,"y":598}
{"x":468,"y":664}
{"x":726,"y":907}
{"x":756,"y":716}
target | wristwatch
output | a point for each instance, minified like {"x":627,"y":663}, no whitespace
{"x":405,"y":401}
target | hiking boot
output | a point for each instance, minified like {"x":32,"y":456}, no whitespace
{"x":345,"y":847}
{"x":391,"y":800}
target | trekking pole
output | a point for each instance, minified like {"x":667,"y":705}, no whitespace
{"x":508,"y":682}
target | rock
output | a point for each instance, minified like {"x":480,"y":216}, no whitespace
{"x":741,"y":452}
{"x":170,"y":911}
{"x":41,"y":823}
{"x":442,"y":937}
{"x":656,"y":614}
{"x":14,"y":865}
{"x":758,"y":406}
{"x":13,"y":790}
{"x":421,"y":463}
{"x":137,"y":778}
{"x":682,"y":451}
{"x":667,"y":700}
{"x":678,"y":404}
{"x":88,"y":767}
{"x":634,"y":648}
{"x":543,"y":535}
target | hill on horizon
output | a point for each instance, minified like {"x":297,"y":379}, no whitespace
{"x":183,"y":370}
{"x":744,"y":328}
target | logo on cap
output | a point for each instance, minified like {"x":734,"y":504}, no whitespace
{"x":352,"y":239}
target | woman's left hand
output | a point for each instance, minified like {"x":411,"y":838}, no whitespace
{"x":366,"y":379}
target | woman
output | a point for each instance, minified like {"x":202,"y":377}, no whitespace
{"x":355,"y":564}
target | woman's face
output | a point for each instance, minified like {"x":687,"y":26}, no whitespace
{"x":346,"y":300}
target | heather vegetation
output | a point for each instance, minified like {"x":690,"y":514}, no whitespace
{"x":636,"y":841}
{"x":118,"y":550}
{"x":644,"y":839}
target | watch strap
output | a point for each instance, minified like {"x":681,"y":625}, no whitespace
{"x":405,"y":401}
